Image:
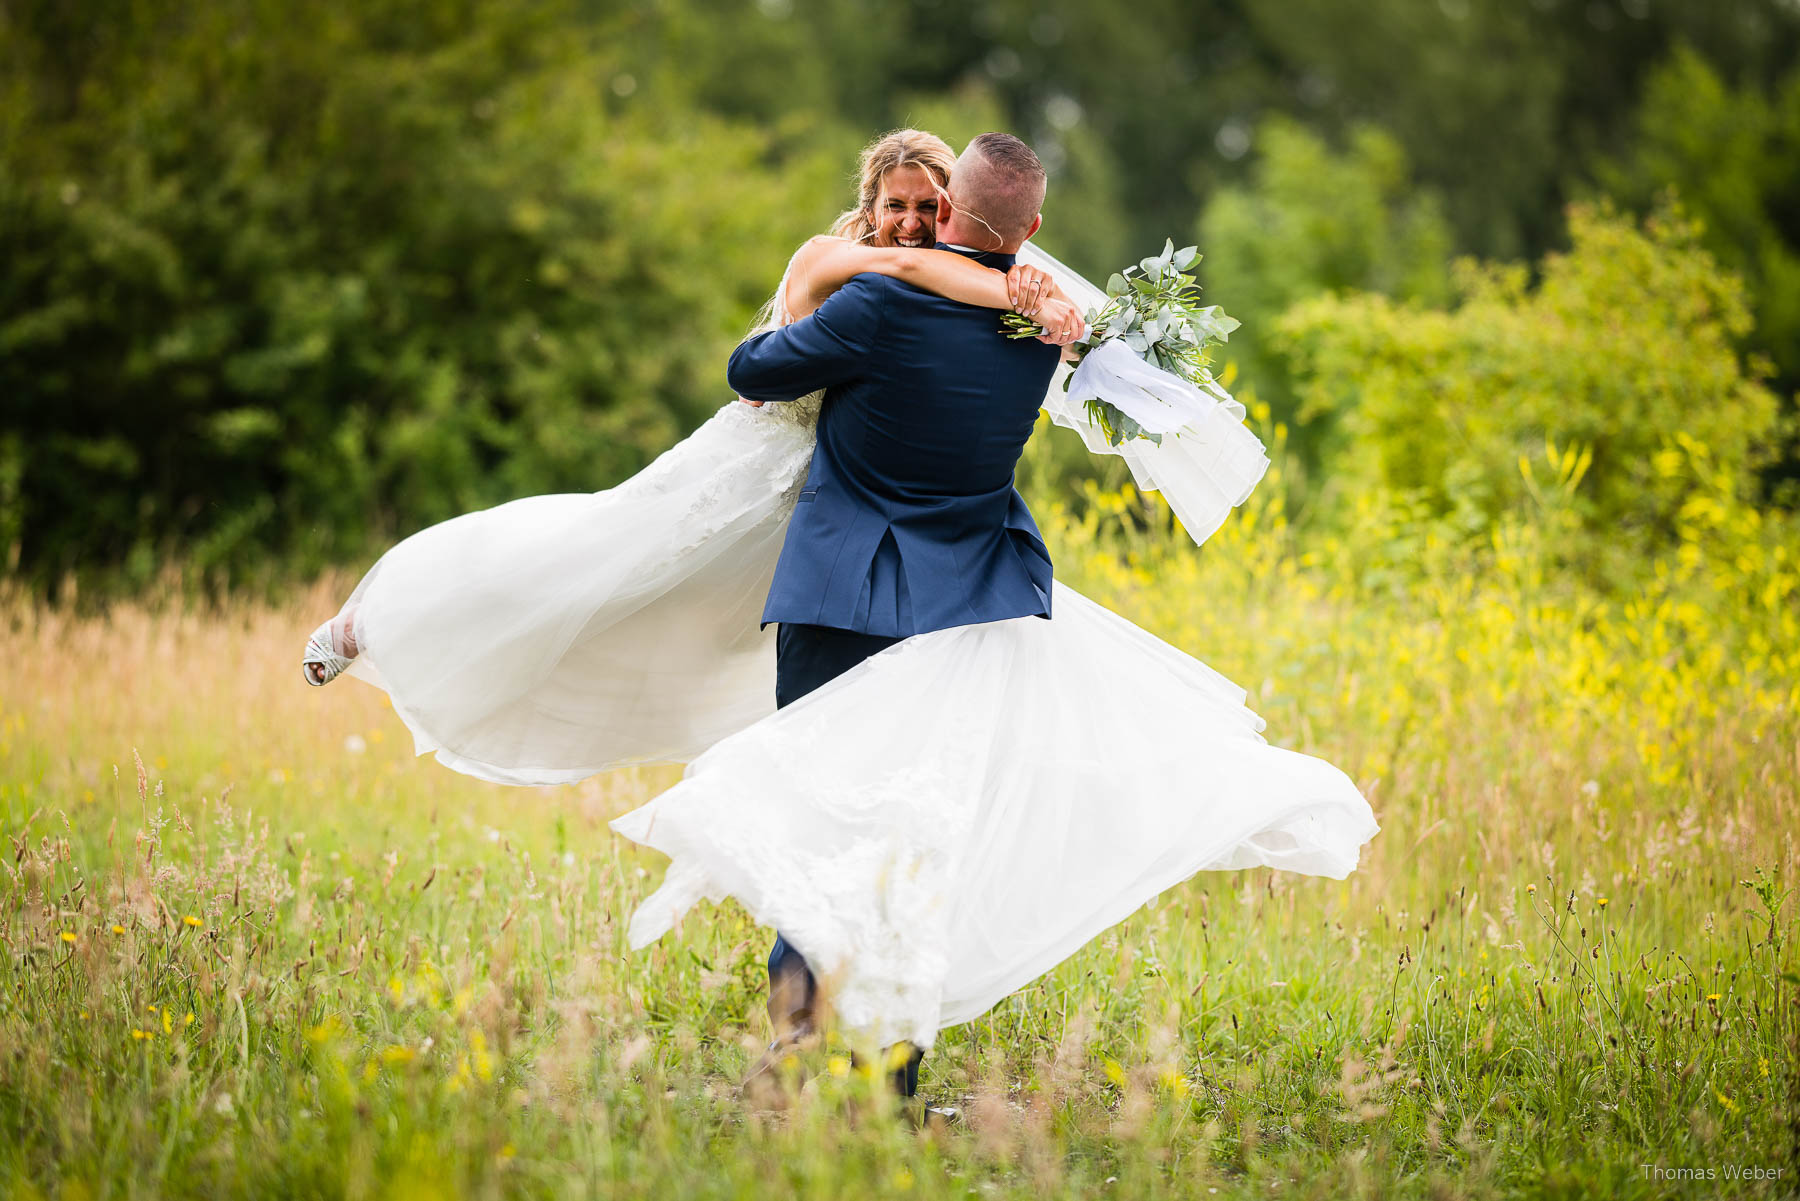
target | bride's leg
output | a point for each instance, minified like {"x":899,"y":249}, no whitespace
{"x":348,"y":627}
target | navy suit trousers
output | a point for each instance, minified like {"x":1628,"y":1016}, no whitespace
{"x":808,"y":657}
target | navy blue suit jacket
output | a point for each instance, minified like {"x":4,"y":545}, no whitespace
{"x":909,"y":521}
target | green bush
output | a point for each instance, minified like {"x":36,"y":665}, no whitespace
{"x":1620,"y":365}
{"x":1312,"y":220}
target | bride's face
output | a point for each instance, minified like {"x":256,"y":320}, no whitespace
{"x":906,"y":208}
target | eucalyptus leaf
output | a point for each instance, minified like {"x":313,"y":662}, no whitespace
{"x":1155,"y":309}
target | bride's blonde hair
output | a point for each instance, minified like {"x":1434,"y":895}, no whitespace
{"x":899,"y":148}
{"x":890,"y":151}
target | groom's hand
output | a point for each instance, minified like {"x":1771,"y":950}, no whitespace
{"x":755,"y":404}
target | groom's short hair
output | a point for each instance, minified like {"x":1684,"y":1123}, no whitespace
{"x":999,"y":181}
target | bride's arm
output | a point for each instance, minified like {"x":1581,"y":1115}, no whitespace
{"x":825,"y":264}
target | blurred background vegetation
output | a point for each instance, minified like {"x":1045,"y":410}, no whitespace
{"x":285,"y":280}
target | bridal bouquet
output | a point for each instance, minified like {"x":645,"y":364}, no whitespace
{"x":1147,"y":349}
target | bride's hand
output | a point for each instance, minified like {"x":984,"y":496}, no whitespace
{"x":1062,"y":322}
{"x":755,"y":404}
{"x":1028,"y":287}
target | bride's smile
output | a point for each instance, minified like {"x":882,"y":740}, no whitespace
{"x":906,"y":209}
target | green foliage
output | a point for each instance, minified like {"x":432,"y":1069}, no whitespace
{"x":325,"y":286}
{"x":1733,"y":156}
{"x":285,"y":279}
{"x":1504,"y":105}
{"x":1622,"y":355}
{"x":1312,"y":220}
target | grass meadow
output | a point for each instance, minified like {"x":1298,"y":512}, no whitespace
{"x":253,"y":947}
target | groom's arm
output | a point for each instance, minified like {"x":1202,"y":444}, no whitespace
{"x":827,"y":348}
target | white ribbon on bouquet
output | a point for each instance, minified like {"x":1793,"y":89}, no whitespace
{"x":1207,"y":463}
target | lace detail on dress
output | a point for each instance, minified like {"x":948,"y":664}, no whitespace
{"x":777,"y":440}
{"x":773,"y":447}
{"x":804,"y":410}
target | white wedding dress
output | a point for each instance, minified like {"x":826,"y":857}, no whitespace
{"x":931,"y":830}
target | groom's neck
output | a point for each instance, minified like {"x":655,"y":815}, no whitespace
{"x":953,"y":234}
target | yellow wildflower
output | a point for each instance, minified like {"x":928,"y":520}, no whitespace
{"x":191,"y":920}
{"x":68,"y":936}
{"x":484,"y":1063}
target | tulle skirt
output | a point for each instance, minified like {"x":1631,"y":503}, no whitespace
{"x":955,"y":816}
{"x":546,"y":640}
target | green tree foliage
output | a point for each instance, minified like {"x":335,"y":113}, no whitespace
{"x":1311,"y":221}
{"x":1733,"y":156}
{"x":278,"y":281}
{"x":285,"y":278}
{"x":1504,"y":104}
{"x":1620,"y":364}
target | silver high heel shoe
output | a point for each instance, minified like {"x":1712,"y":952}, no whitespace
{"x":322,"y":652}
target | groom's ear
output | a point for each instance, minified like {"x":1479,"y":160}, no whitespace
{"x":944,"y":207}
{"x":1035,"y":223}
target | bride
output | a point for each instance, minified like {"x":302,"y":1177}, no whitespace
{"x":934,"y":828}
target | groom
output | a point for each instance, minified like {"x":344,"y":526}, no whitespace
{"x":908,"y":521}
